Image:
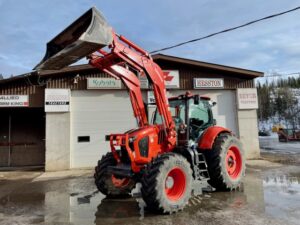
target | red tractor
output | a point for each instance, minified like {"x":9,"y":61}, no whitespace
{"x":173,"y":157}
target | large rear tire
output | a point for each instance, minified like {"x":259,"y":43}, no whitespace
{"x":109,"y":185}
{"x":167,"y":183}
{"x":226,"y":163}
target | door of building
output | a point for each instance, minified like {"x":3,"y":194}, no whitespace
{"x":22,"y":137}
{"x":4,"y":139}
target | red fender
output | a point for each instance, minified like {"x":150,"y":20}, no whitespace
{"x":208,"y":137}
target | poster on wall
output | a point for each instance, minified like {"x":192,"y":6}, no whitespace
{"x":247,"y":98}
{"x":14,"y":101}
{"x":57,"y":100}
{"x":208,"y":83}
{"x":171,"y":80}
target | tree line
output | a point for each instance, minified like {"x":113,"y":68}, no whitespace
{"x":279,"y":102}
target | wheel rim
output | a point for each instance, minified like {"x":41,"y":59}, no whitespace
{"x":233,"y":162}
{"x":119,"y":183}
{"x":175,"y":184}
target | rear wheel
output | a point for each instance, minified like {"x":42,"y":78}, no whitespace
{"x":226,"y":163}
{"x":167,"y":183}
{"x":109,"y":184}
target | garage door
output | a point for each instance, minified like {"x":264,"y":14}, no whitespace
{"x":94,"y":114}
{"x":225,"y":112}
{"x":22,"y":137}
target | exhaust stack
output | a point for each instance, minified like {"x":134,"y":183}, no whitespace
{"x":86,"y":35}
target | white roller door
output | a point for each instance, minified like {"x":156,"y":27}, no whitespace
{"x":225,"y":112}
{"x":94,"y":114}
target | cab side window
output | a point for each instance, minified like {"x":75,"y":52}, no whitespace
{"x":199,"y":114}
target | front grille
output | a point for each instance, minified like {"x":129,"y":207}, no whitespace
{"x":144,"y":146}
{"x":124,"y":155}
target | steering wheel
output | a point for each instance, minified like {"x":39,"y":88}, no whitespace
{"x":194,"y":123}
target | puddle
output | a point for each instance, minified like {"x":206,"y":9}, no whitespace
{"x":282,"y":197}
{"x":264,"y":197}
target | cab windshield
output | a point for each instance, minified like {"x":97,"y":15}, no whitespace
{"x":177,"y":109}
{"x":199,"y":115}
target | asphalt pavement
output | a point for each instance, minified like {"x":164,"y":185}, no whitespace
{"x":271,"y":144}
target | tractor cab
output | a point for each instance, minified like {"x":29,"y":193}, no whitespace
{"x":192,"y":114}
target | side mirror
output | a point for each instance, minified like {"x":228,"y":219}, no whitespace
{"x":196,"y":99}
{"x":212,"y":104}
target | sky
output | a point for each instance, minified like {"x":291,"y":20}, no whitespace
{"x":269,"y":46}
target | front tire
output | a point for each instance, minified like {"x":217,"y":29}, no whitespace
{"x":167,"y":183}
{"x":109,"y":185}
{"x":226,"y":163}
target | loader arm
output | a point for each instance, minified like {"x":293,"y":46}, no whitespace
{"x":87,"y":37}
{"x":124,"y":53}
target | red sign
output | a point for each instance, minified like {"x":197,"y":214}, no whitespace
{"x":171,"y":79}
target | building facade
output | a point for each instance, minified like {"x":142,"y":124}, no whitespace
{"x":60,"y":118}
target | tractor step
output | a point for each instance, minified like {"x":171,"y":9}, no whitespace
{"x":199,"y":186}
{"x":122,"y":170}
{"x":202,"y":166}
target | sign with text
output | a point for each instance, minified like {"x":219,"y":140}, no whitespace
{"x":151,"y":98}
{"x":144,"y":82}
{"x":171,"y":80}
{"x":247,"y":98}
{"x":14,"y":101}
{"x":57,"y":100}
{"x":208,"y":83}
{"x":103,"y":83}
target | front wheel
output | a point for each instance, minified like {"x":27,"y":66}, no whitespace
{"x":108,"y":184}
{"x":226,"y":163}
{"x":167,"y":183}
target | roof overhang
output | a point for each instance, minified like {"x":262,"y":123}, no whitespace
{"x":249,"y":74}
{"x":228,"y":69}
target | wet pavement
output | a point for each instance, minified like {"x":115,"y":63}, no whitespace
{"x":268,"y":196}
{"x":283,"y":152}
{"x":271,"y":144}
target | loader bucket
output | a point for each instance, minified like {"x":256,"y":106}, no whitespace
{"x":86,"y":35}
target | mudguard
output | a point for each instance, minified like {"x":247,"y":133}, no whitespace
{"x":207,"y":139}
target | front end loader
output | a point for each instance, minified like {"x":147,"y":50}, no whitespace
{"x":174,"y":156}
